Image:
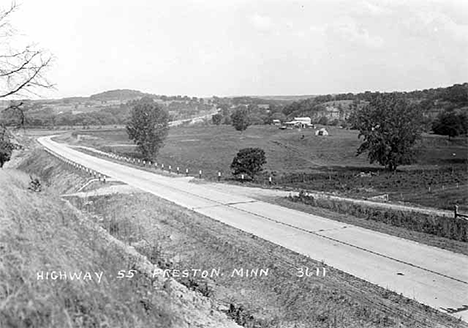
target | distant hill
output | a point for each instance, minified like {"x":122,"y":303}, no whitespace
{"x":74,"y":99}
{"x":338,"y":106}
{"x":119,"y":94}
{"x":285,"y":98}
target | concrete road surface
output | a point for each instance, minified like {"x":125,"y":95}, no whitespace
{"x":432,"y":276}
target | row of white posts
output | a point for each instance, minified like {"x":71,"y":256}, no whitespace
{"x":151,"y":164}
{"x":80,"y":167}
{"x":169,"y":167}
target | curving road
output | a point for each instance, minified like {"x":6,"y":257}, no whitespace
{"x":432,"y":276}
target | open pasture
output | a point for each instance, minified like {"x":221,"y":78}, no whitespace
{"x":298,"y":158}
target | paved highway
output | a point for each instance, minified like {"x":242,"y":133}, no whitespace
{"x":432,"y":276}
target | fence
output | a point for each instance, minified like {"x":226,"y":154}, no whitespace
{"x":96,"y":175}
{"x":217,"y":175}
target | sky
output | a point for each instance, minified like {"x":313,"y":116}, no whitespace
{"x":247,"y":47}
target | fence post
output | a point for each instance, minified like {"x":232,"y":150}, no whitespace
{"x":455,"y":211}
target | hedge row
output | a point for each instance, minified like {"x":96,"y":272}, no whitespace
{"x":456,"y":229}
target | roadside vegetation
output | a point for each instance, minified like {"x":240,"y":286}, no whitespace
{"x":39,"y":234}
{"x":451,"y":228}
{"x":248,"y":161}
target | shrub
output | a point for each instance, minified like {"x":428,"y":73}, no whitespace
{"x":248,"y":161}
{"x":323,"y":120}
{"x":240,"y":119}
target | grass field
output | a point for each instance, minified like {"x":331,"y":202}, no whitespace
{"x":299,"y":159}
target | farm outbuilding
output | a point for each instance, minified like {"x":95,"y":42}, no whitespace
{"x":300,"y":122}
{"x":321,"y":132}
{"x":303,"y":120}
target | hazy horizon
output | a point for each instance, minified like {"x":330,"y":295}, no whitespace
{"x":249,"y":48}
{"x":247,"y":95}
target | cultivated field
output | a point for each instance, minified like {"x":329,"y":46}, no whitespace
{"x":299,"y":159}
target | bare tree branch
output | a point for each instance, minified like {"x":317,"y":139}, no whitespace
{"x":22,"y":72}
{"x":21,"y":67}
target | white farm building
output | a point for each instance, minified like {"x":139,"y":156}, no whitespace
{"x":300,"y":122}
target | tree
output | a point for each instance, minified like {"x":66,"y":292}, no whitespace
{"x":21,"y":75}
{"x":248,"y":161}
{"x":323,"y":120}
{"x":458,"y":93}
{"x":240,"y":119}
{"x":390,"y":127}
{"x":6,"y":147}
{"x":216,"y":119}
{"x":148,"y":127}
{"x":275,"y":116}
{"x":21,"y":70}
{"x":449,"y":123}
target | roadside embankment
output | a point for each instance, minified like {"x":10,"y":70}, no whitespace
{"x":59,"y":269}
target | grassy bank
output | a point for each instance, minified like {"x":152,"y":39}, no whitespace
{"x":52,"y":172}
{"x":46,"y":245}
{"x":39,"y":235}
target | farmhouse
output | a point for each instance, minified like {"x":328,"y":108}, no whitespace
{"x":304,"y":120}
{"x":300,"y":122}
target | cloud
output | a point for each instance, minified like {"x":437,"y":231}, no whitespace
{"x":442,"y":39}
{"x":316,"y":29}
{"x":346,"y":30}
{"x":261,"y":23}
{"x":437,"y":25}
{"x":370,"y":8}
